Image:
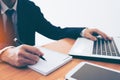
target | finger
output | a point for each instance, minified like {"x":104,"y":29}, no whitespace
{"x":24,"y":62}
{"x":28,"y":55}
{"x":32,"y":50}
{"x":102,"y":34}
{"x":91,"y":37}
{"x":29,"y":62}
{"x":109,"y":38}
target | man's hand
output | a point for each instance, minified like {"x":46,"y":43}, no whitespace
{"x":92,"y":33}
{"x":21,"y":56}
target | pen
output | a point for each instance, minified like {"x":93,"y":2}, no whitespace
{"x":43,"y":58}
{"x":20,"y":42}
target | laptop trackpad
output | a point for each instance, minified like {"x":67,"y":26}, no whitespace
{"x":82,"y":46}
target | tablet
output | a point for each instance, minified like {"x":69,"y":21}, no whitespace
{"x":90,"y":71}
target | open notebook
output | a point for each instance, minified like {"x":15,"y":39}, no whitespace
{"x":54,"y":61}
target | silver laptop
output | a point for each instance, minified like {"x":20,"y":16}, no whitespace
{"x":100,"y":50}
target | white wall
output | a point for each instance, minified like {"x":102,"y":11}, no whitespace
{"x":103,"y":14}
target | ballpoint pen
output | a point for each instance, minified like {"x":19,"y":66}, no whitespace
{"x":20,"y":42}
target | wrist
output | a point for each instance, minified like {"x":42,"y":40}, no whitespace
{"x":3,"y":52}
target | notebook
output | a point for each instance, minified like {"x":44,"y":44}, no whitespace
{"x":100,"y":50}
{"x":90,"y":71}
{"x":54,"y":60}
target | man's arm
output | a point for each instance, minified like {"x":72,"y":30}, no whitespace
{"x":45,"y":28}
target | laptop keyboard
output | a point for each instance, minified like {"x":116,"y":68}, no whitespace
{"x":105,"y":47}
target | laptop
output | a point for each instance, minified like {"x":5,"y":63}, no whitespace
{"x":100,"y":50}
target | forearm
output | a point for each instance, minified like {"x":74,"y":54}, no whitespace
{"x":57,"y":33}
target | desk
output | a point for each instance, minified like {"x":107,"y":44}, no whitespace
{"x":8,"y":72}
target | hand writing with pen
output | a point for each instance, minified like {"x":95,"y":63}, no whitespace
{"x":22,"y":55}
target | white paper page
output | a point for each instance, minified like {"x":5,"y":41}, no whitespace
{"x":53,"y":61}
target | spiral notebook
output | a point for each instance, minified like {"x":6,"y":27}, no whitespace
{"x":54,"y":60}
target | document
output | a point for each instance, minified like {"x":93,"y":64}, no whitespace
{"x":54,"y":60}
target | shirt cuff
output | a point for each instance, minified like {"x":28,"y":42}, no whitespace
{"x":2,"y":50}
{"x":83,"y":32}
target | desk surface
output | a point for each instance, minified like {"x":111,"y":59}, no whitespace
{"x":8,"y":72}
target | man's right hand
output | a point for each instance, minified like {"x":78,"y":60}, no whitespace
{"x":21,"y":56}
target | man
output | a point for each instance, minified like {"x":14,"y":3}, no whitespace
{"x":27,"y":19}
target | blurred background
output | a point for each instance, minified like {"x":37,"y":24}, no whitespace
{"x":101,"y":14}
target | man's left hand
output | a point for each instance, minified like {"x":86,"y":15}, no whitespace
{"x":92,"y":33}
